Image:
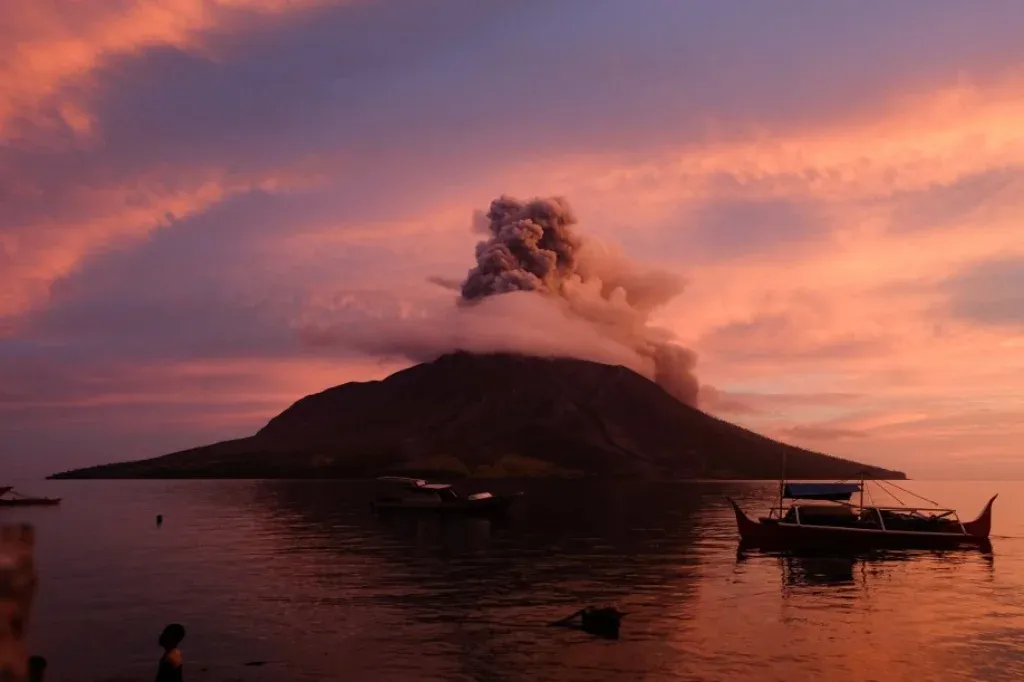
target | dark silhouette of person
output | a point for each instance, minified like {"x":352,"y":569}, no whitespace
{"x":36,"y":668}
{"x":169,"y":669}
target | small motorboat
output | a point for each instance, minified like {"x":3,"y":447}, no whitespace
{"x":9,"y":497}
{"x":417,"y":494}
{"x":822,"y":516}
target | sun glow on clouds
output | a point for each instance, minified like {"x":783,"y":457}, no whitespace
{"x":839,"y":297}
{"x":862,"y":296}
{"x":54,"y":43}
{"x":40,"y":253}
{"x":913,"y":144}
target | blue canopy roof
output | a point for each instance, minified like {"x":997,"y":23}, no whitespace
{"x":820,"y":491}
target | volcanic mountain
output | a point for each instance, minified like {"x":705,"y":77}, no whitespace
{"x":494,"y":415}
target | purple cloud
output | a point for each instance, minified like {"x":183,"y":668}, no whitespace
{"x":990,"y":293}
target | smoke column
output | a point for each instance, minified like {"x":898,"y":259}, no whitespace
{"x":538,"y":288}
{"x":532,"y":247}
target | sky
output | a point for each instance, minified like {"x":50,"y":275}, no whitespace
{"x":184,"y":184}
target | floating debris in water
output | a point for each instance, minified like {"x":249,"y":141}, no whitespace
{"x":602,"y":622}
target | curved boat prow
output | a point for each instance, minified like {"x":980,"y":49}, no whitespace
{"x":981,"y":526}
{"x":748,"y":529}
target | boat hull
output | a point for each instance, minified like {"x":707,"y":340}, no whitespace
{"x":488,"y":507}
{"x":780,"y":535}
{"x":30,"y":502}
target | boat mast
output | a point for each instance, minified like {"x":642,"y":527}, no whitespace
{"x":862,"y":490}
{"x":782,"y":481}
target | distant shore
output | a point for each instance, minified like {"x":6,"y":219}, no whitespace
{"x":86,"y":475}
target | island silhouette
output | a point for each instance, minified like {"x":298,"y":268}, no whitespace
{"x":495,"y":415}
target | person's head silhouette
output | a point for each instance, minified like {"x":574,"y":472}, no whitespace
{"x":36,"y":668}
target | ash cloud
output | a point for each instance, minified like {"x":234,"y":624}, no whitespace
{"x":539,"y":288}
{"x":533,"y":247}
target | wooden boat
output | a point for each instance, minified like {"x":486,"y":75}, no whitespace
{"x":417,"y":494}
{"x":822,"y":516}
{"x":9,"y":497}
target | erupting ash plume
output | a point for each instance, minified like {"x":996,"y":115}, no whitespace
{"x":540,"y":289}
{"x":532,"y":247}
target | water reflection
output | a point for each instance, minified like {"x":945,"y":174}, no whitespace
{"x":485,"y":590}
{"x":303,"y":575}
{"x":832,"y":569}
{"x":577,"y":534}
{"x":810,"y":570}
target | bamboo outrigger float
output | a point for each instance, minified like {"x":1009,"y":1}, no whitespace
{"x":822,"y":516}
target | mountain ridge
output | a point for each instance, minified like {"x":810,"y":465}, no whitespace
{"x":486,"y":415}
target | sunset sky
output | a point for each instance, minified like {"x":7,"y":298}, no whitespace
{"x":185,"y":183}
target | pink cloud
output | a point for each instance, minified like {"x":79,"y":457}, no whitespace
{"x":51,"y":44}
{"x":830,"y":251}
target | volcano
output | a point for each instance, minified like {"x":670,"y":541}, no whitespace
{"x":495,"y":415}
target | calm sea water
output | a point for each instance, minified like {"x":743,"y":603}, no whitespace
{"x":301,"y":575}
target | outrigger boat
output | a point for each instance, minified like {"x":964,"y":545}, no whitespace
{"x":822,"y":516}
{"x":417,"y":494}
{"x":11,"y":498}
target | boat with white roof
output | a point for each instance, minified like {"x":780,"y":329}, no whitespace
{"x":417,"y":494}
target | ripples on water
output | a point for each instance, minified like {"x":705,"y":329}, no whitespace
{"x":303,"y":576}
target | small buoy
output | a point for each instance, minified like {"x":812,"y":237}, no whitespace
{"x":159,"y":520}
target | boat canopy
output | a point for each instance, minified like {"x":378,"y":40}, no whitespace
{"x":417,"y":482}
{"x":821,"y":491}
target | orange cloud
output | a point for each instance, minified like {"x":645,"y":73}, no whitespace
{"x":254,"y":389}
{"x":857,"y":313}
{"x":860,"y":310}
{"x":107,"y":217}
{"x":48,"y":44}
{"x":908,"y":143}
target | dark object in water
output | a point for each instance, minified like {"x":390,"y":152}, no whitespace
{"x":602,"y":622}
{"x":255,"y":663}
{"x":12,"y":498}
{"x":36,"y":668}
{"x":159,"y":520}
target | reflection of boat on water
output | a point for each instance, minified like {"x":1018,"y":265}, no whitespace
{"x":417,"y":494}
{"x":9,"y":497}
{"x":814,"y":570}
{"x":822,"y":516}
{"x":807,"y":568}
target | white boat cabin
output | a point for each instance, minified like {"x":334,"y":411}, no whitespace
{"x":418,"y":488}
